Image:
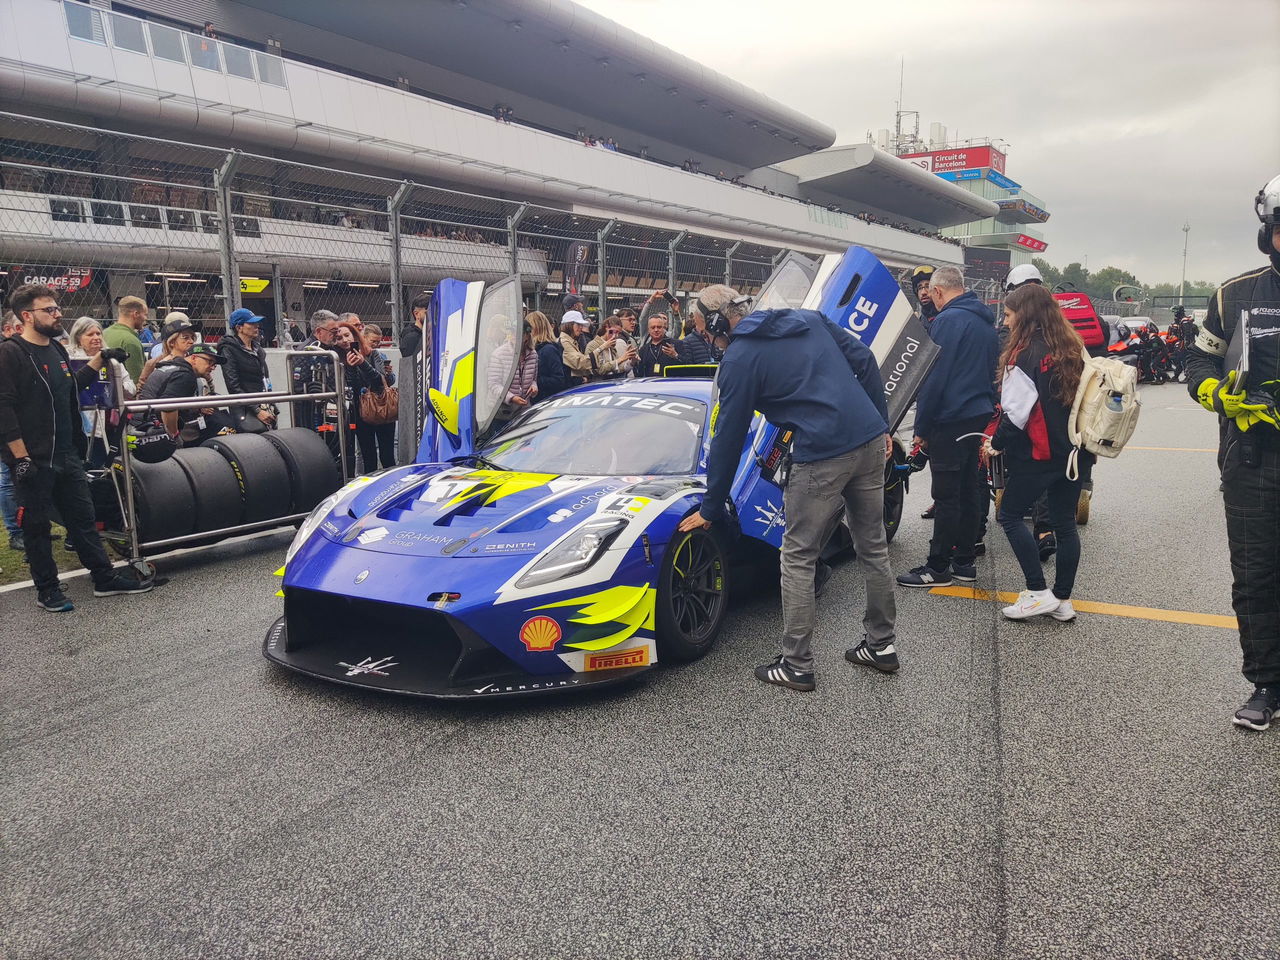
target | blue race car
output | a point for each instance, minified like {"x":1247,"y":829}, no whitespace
{"x":546,"y":557}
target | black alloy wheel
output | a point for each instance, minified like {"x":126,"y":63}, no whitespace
{"x":693,"y":594}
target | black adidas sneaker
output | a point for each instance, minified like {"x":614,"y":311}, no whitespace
{"x":783,"y":674}
{"x":886,"y":660}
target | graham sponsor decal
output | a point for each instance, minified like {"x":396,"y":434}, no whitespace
{"x":405,"y":538}
{"x":540,"y":634}
{"x":617,"y":659}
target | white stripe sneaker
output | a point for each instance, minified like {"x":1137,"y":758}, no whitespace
{"x":1064,"y":612}
{"x":1032,"y":603}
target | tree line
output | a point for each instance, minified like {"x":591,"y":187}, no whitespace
{"x":1100,"y":284}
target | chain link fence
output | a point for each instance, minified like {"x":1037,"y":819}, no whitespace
{"x":100,"y":215}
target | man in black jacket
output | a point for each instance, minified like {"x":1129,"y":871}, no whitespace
{"x":1233,"y":369}
{"x":180,"y":379}
{"x":42,"y":442}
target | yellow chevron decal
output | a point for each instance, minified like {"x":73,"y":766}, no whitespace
{"x":631,"y":607}
{"x":493,"y":485}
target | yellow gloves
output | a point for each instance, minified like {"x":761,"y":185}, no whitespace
{"x":1216,"y":396}
{"x":1252,"y":414}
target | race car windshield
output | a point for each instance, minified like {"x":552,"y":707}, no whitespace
{"x":603,"y":434}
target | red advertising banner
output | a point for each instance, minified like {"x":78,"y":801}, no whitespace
{"x":1031,"y":243}
{"x":61,"y":279}
{"x":961,"y":158}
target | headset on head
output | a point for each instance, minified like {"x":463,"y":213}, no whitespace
{"x":717,"y":322}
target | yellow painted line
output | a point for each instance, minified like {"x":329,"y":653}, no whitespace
{"x":1177,"y":449}
{"x":1110,"y":609}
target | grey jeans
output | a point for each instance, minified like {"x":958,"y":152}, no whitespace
{"x":815,"y":494}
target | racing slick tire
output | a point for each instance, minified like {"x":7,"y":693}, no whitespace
{"x":162,"y":496}
{"x":262,"y":475}
{"x":693,"y":594}
{"x":313,"y":474}
{"x":215,"y":488}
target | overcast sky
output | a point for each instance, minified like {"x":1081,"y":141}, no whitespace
{"x":1127,"y":117}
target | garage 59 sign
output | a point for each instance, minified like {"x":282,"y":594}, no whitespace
{"x":61,"y":279}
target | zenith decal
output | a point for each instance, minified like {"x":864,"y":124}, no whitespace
{"x":369,"y":665}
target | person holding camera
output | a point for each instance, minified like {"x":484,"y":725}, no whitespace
{"x":43,"y":444}
{"x":659,"y":351}
{"x":361,"y":375}
{"x":611,"y":356}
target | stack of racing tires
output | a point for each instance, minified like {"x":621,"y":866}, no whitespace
{"x":238,"y":479}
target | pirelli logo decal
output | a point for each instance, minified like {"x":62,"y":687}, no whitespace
{"x":617,"y":659}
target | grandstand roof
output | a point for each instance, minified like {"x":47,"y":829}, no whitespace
{"x":559,"y":53}
{"x":862,"y":174}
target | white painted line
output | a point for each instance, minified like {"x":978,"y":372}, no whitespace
{"x":72,"y":574}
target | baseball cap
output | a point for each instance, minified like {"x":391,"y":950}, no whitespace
{"x":573,"y":316}
{"x":570,"y":299}
{"x":206,"y":351}
{"x":242,"y":315}
{"x":176,"y":324}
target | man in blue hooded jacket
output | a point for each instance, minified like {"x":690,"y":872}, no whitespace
{"x":956,"y":402}
{"x":806,"y":374}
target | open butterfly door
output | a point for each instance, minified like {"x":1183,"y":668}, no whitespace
{"x":474,"y":350}
{"x":857,"y":292}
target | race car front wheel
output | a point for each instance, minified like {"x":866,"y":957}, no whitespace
{"x":693,"y":592}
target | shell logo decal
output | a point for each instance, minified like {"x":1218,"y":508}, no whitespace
{"x":540,"y":634}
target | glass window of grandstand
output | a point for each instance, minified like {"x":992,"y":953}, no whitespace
{"x":204,"y":52}
{"x":84,"y":22}
{"x":270,"y":69}
{"x":239,"y":61}
{"x":166,"y":43}
{"x":126,"y":33}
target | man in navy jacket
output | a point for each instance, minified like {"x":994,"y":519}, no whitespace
{"x":957,"y":399}
{"x":806,"y":374}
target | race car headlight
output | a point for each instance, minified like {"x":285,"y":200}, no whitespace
{"x":312,"y":524}
{"x":575,"y":552}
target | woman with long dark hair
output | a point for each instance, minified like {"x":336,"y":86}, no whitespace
{"x":361,"y":375}
{"x":1042,"y":363}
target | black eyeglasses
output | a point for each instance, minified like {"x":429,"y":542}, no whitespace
{"x":51,"y":311}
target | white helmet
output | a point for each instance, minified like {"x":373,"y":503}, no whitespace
{"x":1267,"y":205}
{"x":1027,"y":273}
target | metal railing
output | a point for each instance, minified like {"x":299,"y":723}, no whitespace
{"x":128,"y":501}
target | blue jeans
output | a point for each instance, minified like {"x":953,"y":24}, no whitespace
{"x":9,"y":503}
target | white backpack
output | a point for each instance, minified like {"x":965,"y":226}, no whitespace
{"x":1105,"y":412}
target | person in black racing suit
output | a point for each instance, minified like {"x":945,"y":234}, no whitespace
{"x":1247,"y":308}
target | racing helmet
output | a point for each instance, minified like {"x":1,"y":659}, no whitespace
{"x":1179,"y":312}
{"x":1267,"y":205}
{"x":1026,"y":273}
{"x":150,"y":444}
